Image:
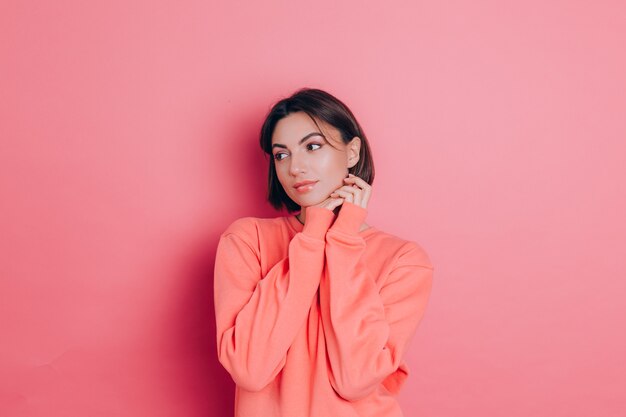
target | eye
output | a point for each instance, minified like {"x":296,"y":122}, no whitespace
{"x":277,"y":155}
{"x":314,"y":144}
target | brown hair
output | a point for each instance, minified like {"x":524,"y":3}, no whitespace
{"x":321,"y":105}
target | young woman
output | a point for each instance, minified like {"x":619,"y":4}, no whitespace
{"x":315,"y":311}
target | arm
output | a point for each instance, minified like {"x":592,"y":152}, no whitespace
{"x":367,"y":331}
{"x":257,"y":318}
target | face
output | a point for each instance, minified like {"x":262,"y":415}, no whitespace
{"x":303,"y":153}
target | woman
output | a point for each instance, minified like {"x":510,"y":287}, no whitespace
{"x":315,"y":311}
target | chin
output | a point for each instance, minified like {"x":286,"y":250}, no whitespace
{"x":305,"y":202}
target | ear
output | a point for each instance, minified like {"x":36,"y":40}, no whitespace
{"x":353,"y":151}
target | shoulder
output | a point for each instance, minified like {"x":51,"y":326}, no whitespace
{"x":242,"y":227}
{"x":404,"y":251}
{"x":252,"y":229}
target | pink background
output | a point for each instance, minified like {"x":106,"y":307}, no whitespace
{"x":129,"y":142}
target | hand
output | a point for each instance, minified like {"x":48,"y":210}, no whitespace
{"x":331,"y":203}
{"x":356,"y":191}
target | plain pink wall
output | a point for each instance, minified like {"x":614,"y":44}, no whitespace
{"x":129,"y":142}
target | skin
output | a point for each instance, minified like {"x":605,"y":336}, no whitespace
{"x":315,"y":159}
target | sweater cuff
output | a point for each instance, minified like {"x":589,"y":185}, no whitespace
{"x":350,"y":218}
{"x":318,"y":220}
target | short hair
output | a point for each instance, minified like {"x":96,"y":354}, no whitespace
{"x":324,"y":106}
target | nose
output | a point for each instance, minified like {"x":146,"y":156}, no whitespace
{"x":296,"y":165}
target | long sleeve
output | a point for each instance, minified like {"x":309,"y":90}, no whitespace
{"x":367,"y":331}
{"x":258,"y":317}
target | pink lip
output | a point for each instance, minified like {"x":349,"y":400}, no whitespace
{"x":304,"y":186}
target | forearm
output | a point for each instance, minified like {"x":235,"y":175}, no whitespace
{"x":259,"y":317}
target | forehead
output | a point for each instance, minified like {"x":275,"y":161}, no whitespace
{"x":293,"y":127}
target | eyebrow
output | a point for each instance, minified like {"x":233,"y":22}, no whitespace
{"x":278,"y":145}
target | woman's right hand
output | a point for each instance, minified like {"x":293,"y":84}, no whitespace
{"x":331,"y":203}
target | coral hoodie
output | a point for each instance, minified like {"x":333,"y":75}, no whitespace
{"x":314,"y":320}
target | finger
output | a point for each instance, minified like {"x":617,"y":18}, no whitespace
{"x":366,"y":199}
{"x":367,"y":188}
{"x":367,"y":193}
{"x":334,"y":203}
{"x":357,"y":191}
{"x":345,"y":194}
{"x":349,"y":187}
{"x":352,"y":194}
{"x":353,"y":189}
{"x":358,"y":181}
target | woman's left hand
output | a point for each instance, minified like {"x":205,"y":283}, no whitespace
{"x":356,"y":191}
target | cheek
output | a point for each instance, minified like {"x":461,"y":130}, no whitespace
{"x":281,"y":175}
{"x":336,"y":168}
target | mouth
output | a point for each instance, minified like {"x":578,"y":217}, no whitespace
{"x":304,"y":186}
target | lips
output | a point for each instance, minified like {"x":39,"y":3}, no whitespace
{"x":304,"y":185}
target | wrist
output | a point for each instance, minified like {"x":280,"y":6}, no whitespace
{"x":350,"y":218}
{"x":318,"y":220}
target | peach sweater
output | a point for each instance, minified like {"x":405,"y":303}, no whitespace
{"x":314,"y":320}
